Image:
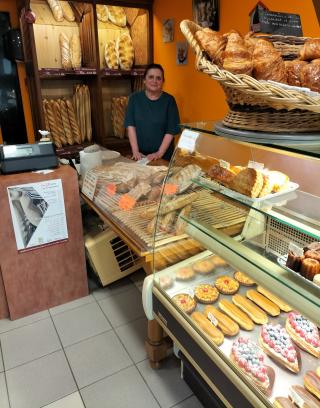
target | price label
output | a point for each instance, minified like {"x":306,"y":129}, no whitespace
{"x":255,"y":165}
{"x":89,"y":184}
{"x":188,"y":140}
{"x":212,"y":319}
{"x":224,"y":164}
{"x":295,"y":249}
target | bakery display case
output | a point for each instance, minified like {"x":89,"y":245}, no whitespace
{"x":245,"y":310}
{"x":91,"y":54}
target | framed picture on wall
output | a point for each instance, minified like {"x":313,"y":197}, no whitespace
{"x":206,"y":13}
{"x":182,"y":53}
{"x":167,"y":30}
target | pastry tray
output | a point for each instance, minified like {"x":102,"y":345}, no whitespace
{"x":243,"y":198}
{"x":282,"y":260}
{"x":283,"y":377}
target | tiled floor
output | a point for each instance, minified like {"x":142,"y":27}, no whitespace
{"x":87,"y":354}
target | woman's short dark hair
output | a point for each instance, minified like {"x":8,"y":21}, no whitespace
{"x":153,"y":66}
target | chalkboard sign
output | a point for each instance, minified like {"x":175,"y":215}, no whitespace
{"x":272,"y":22}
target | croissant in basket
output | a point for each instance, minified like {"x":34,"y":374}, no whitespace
{"x":250,"y":41}
{"x":267,"y":62}
{"x":310,"y":49}
{"x":212,"y":43}
{"x":293,"y":71}
{"x":236,"y":57}
{"x":310,"y":76}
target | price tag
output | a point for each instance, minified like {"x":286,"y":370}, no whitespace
{"x":188,"y":140}
{"x":89,"y":184}
{"x":255,"y":165}
{"x":212,"y":319}
{"x":224,"y":164}
{"x":295,"y":249}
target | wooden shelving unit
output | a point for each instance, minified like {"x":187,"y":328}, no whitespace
{"x":46,"y":77}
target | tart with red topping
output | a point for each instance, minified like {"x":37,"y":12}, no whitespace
{"x":248,"y":356}
{"x":304,"y":333}
{"x":227,"y":285}
{"x":276,"y":342}
{"x":185,"y":302}
{"x":206,"y":293}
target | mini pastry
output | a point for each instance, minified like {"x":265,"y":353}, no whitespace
{"x":206,"y":293}
{"x":185,"y":302}
{"x":312,"y":254}
{"x":312,"y":383}
{"x":210,"y":329}
{"x":236,"y":314}
{"x":265,"y":304}
{"x":275,"y":341}
{"x":282,"y":402}
{"x":226,"y":285}
{"x":309,"y":268}
{"x":283,"y":306}
{"x":304,"y":333}
{"x":217,"y":261}
{"x":184,"y":274}
{"x":314,"y":246}
{"x":294,"y":261}
{"x":203,"y":267}
{"x":165,"y":281}
{"x":248,"y":356}
{"x":243,"y":279}
{"x":253,"y":311}
{"x":225,"y":324}
{"x":316,"y":279}
{"x":302,"y":398}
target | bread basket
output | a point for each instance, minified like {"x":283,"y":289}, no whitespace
{"x":260,"y":95}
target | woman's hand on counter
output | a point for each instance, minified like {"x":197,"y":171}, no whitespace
{"x":154,"y":156}
{"x":136,"y":155}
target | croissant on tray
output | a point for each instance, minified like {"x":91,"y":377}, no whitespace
{"x":211,"y":42}
{"x":267,"y":62}
{"x":293,"y":71}
{"x":310,"y":49}
{"x":237,"y":58}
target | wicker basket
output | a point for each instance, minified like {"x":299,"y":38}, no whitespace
{"x":245,"y":90}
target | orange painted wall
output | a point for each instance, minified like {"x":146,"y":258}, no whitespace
{"x":198,"y":96}
{"x":11,"y":7}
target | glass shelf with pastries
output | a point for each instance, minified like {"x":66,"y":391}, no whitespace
{"x":238,"y":277}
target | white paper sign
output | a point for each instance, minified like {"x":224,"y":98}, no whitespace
{"x":89,"y":184}
{"x":255,"y":165}
{"x":188,"y":140}
{"x":38,"y":214}
{"x":212,"y":319}
{"x":224,"y":164}
{"x":295,"y":249}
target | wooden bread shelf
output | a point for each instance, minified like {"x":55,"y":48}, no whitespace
{"x":48,"y":73}
{"x":107,"y":73}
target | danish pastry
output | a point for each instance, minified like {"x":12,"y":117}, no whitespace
{"x":185,"y":302}
{"x":206,"y":293}
{"x":226,"y":285}
{"x":243,"y":279}
{"x":203,"y":267}
{"x":185,"y":273}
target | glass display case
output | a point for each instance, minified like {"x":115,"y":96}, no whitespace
{"x":245,"y":311}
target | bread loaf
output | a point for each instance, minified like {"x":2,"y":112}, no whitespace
{"x":118,"y":111}
{"x":117,"y":15}
{"x":56,"y":9}
{"x":53,"y":126}
{"x":102,"y":13}
{"x":59,"y":124}
{"x":110,"y":55}
{"x":73,"y":122}
{"x":65,"y":51}
{"x":46,"y":121}
{"x":75,"y":51}
{"x":125,"y":51}
{"x":67,"y":11}
{"x":88,"y":113}
{"x":65,"y":121}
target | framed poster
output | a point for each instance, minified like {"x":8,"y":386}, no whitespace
{"x":167,"y":30}
{"x":182,"y":53}
{"x":206,"y":13}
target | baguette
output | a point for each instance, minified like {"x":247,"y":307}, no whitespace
{"x":56,"y":9}
{"x":88,"y":113}
{"x":73,"y":122}
{"x":52,"y":123}
{"x":75,"y":51}
{"x":45,"y":114}
{"x":253,"y":311}
{"x":174,"y":204}
{"x":265,"y":304}
{"x":65,"y":51}
{"x":67,"y":11}
{"x":225,"y":324}
{"x":282,"y":305}
{"x":215,"y":335}
{"x":65,"y":121}
{"x":236,"y":314}
{"x":56,"y":109}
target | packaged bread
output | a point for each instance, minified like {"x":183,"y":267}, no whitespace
{"x":75,"y":51}
{"x":65,"y":51}
{"x":212,"y":43}
{"x":236,"y":57}
{"x":125,"y":51}
{"x":310,"y":49}
{"x":102,"y":13}
{"x":117,"y":15}
{"x":56,"y":9}
{"x":67,"y":11}
{"x":267,"y":62}
{"x":110,"y":55}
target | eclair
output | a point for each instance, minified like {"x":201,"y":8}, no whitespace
{"x":302,"y":398}
{"x":236,"y":314}
{"x":214,"y":334}
{"x":282,"y":305}
{"x":253,"y":311}
{"x":312,"y":383}
{"x":265,"y":304}
{"x":224,"y":323}
{"x":282,"y":402}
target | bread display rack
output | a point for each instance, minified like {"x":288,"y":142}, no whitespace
{"x":65,"y":47}
{"x":261,"y":105}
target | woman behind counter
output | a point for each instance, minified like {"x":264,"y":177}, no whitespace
{"x":152,"y":118}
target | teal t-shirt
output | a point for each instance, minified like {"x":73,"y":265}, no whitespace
{"x":152,"y":120}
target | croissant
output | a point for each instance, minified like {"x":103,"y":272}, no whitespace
{"x":250,"y":41}
{"x":211,"y":42}
{"x":310,"y":76}
{"x":267,"y":62}
{"x":293,"y":71}
{"x":237,"y":58}
{"x":310,"y":49}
